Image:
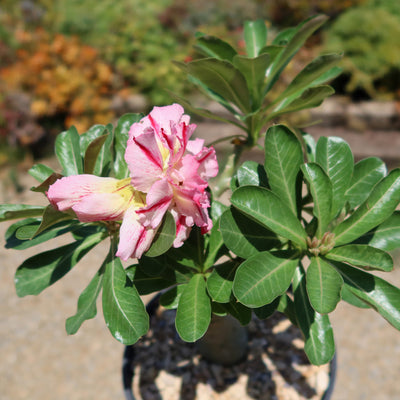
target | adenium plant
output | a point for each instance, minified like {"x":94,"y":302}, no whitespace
{"x":300,"y":232}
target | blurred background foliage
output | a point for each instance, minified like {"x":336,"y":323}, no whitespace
{"x":83,"y":62}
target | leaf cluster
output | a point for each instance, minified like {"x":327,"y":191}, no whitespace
{"x":242,"y":83}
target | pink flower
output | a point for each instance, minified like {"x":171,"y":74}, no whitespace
{"x":172,"y":170}
{"x":168,"y":172}
{"x":105,"y":199}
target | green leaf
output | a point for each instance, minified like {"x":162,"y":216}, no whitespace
{"x":146,"y":284}
{"x":367,"y":173}
{"x":212,"y":46}
{"x":266,"y":311}
{"x":316,"y":328}
{"x":121,"y":134}
{"x":293,"y":39}
{"x":352,"y":299}
{"x":44,"y":186}
{"x":253,"y":69}
{"x":68,"y":152}
{"x":387,"y":235}
{"x":306,"y":78}
{"x":51,"y":216}
{"x":379,"y":294}
{"x":104,"y":158}
{"x":269,"y":210}
{"x":263,"y":277}
{"x":194,"y":310}
{"x":380,"y":204}
{"x":91,"y":134}
{"x":252,"y":173}
{"x":40,"y":172}
{"x":14,"y":211}
{"x":311,"y":97}
{"x":42,"y":270}
{"x":92,"y":153}
{"x":86,"y":303}
{"x":363,"y":256}
{"x":239,"y":311}
{"x":164,"y":237}
{"x":223,"y":78}
{"x":220,"y":282}
{"x":334,"y":155}
{"x":321,"y":191}
{"x":255,"y":36}
{"x":124,"y":312}
{"x":324,"y":285}
{"x":19,"y":235}
{"x":283,"y":157}
{"x":243,"y":236}
{"x":170,"y":298}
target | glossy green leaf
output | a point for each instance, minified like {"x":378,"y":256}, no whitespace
{"x":215,"y":248}
{"x":269,"y":210}
{"x":164,"y":237}
{"x":367,"y":173}
{"x":145,"y":283}
{"x":252,"y":173}
{"x":14,"y":211}
{"x":242,"y":313}
{"x":170,"y":298}
{"x":42,"y":270}
{"x":306,"y":78}
{"x":263,"y":277}
{"x":68,"y":152}
{"x":124,"y":312}
{"x":212,"y":46}
{"x":51,"y":216}
{"x":380,"y":204}
{"x":317,"y":330}
{"x":223,"y":78}
{"x":311,"y":97}
{"x":334,"y":155}
{"x":19,"y":236}
{"x":321,"y":191}
{"x":283,"y":157}
{"x":293,"y":39}
{"x":255,"y":36}
{"x":323,"y":285}
{"x":243,"y":236}
{"x":44,"y":186}
{"x":352,"y":299}
{"x":40,"y":172}
{"x":363,"y":256}
{"x":121,"y":134}
{"x":379,"y":294}
{"x":92,"y":153}
{"x":103,"y":164}
{"x":387,"y":235}
{"x":220,"y":281}
{"x":194,"y":310}
{"x":266,"y":311}
{"x":86,"y":303}
{"x":91,"y":134}
{"x":253,"y":69}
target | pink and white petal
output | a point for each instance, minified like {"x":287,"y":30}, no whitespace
{"x":158,"y":200}
{"x":134,"y":238}
{"x":144,"y":161}
{"x":188,"y":207}
{"x":67,"y":191}
{"x":161,"y":117}
{"x":182,"y":231}
{"x":208,"y":167}
{"x":100,"y":207}
{"x":195,"y":146}
{"x":138,"y":128}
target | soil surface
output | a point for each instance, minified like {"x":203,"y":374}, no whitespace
{"x":39,"y":361}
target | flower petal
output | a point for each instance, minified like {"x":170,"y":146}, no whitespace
{"x":67,"y":191}
{"x":144,"y":160}
{"x":134,"y":238}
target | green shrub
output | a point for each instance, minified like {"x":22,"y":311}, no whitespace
{"x":369,"y":38}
